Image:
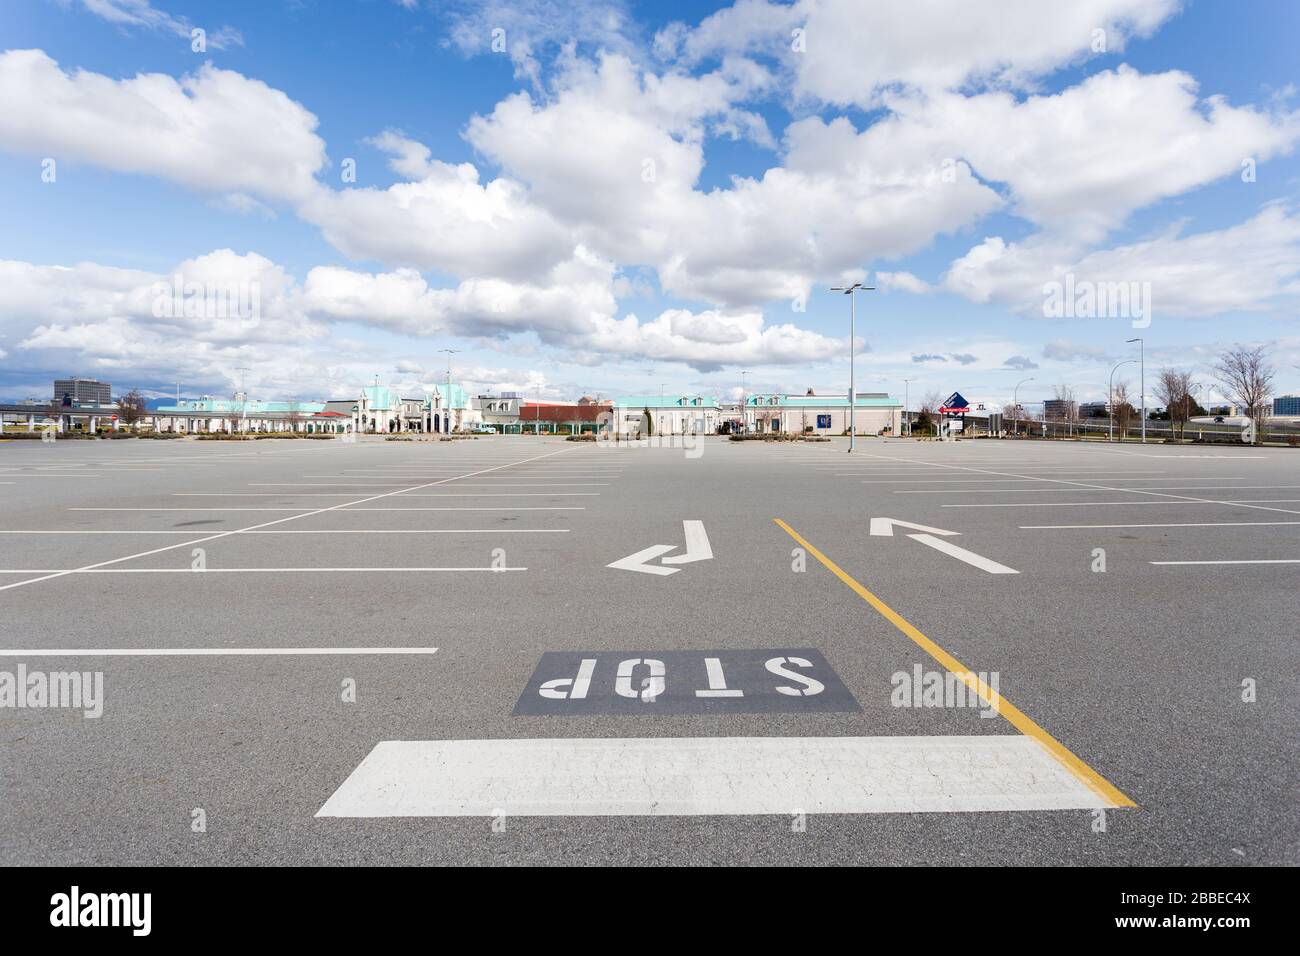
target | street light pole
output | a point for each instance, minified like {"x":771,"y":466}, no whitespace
{"x":1015,"y":404}
{"x":1110,"y":401}
{"x":853,"y":398}
{"x":447,"y":403}
{"x":1142,"y":360}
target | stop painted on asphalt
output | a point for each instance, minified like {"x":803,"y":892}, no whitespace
{"x":790,"y":680}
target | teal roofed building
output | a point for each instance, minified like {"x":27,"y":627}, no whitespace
{"x":670,"y":414}
{"x":381,"y":409}
{"x":239,"y":414}
{"x":875,"y":413}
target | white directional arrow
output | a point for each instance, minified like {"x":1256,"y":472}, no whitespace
{"x":697,"y":545}
{"x":884,"y":527}
{"x":636,"y":562}
{"x":697,"y":549}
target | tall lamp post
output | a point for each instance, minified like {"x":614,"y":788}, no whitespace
{"x":853,"y":398}
{"x":907,"y":415}
{"x":446,"y":407}
{"x":1015,"y":404}
{"x":1110,"y":399}
{"x":1142,"y":361}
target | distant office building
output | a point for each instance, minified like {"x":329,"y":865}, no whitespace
{"x":82,"y":391}
{"x":1094,"y":409}
{"x":1286,"y":405}
{"x":1058,"y":409}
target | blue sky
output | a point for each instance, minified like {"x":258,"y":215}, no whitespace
{"x":501,"y":205}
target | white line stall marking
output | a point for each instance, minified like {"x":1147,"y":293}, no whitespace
{"x":689,"y":776}
{"x":209,"y":651}
{"x":1256,"y":561}
{"x":62,"y":571}
{"x":1178,"y":524}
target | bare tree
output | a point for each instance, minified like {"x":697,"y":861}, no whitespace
{"x":132,"y":407}
{"x":928,"y":413}
{"x":1066,"y":407}
{"x":1247,"y":377}
{"x":1174,"y":389}
{"x":1122,"y":408}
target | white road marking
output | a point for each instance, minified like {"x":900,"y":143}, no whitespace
{"x":884,"y":527}
{"x":696,"y":776}
{"x":1184,"y":499}
{"x":961,"y":554}
{"x":1066,"y":491}
{"x":344,"y":494}
{"x":977,"y":481}
{"x":59,"y":572}
{"x":350,"y":510}
{"x":329,"y":531}
{"x":1099,"y":504}
{"x":224,"y":534}
{"x":1258,"y":561}
{"x":1084,"y":504}
{"x":637,"y":562}
{"x":210,"y":651}
{"x":697,"y":545}
{"x":1181,"y":524}
{"x":697,"y":549}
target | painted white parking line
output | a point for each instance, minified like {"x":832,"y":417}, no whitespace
{"x":1066,"y":491}
{"x":1138,"y":454}
{"x":1083,"y":472}
{"x":224,"y":534}
{"x":341,"y":494}
{"x":667,"y":776}
{"x":350,"y":510}
{"x":530,"y":484}
{"x":1009,"y":481}
{"x":328,"y":531}
{"x":506,"y":494}
{"x":1257,"y":561}
{"x":1245,"y":503}
{"x":1258,"y":504}
{"x":1078,"y":504}
{"x":192,"y":571}
{"x":210,"y":651}
{"x":1179,"y":524}
{"x":523,"y":474}
{"x":402,"y":484}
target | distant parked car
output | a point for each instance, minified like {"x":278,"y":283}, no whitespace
{"x":1218,"y":419}
{"x":484,"y":430}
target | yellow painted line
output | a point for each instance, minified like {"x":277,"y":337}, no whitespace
{"x":1021,"y":721}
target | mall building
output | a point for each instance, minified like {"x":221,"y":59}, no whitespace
{"x":377,"y":410}
{"x":770,"y":413}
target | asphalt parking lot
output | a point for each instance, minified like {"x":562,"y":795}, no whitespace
{"x":393,"y":652}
